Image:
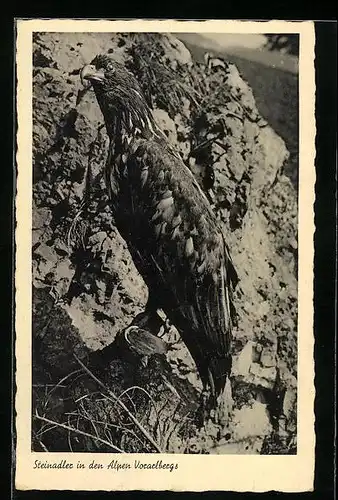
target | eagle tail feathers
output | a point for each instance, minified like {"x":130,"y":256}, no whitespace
{"x":218,"y":373}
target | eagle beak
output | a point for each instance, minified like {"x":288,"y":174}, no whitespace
{"x":89,"y":73}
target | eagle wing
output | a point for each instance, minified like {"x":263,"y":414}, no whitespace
{"x":179,"y":249}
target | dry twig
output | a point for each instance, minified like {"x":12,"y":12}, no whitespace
{"x":122,"y":405}
{"x":77,"y":431}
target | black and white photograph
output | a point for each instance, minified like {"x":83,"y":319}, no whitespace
{"x":162,"y":286}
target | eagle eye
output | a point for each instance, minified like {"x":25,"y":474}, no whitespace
{"x":110,"y":67}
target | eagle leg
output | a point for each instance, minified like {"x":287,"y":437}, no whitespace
{"x":150,"y":320}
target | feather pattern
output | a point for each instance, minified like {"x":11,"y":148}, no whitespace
{"x":189,"y":273}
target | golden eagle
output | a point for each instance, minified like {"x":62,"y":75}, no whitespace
{"x":168,"y":224}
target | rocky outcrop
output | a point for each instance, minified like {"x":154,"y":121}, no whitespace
{"x":86,"y":287}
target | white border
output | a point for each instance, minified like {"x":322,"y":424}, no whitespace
{"x":195,"y":472}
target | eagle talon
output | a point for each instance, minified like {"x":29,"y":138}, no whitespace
{"x":144,"y":361}
{"x":167,"y":325}
{"x":165,"y":328}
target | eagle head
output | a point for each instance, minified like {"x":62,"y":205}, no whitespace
{"x":107,"y":75}
{"x":117,"y":91}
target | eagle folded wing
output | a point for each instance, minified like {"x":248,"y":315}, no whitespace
{"x":175,"y":236}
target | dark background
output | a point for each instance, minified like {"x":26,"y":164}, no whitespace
{"x":325,"y":271}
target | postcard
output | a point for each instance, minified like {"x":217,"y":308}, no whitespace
{"x":164,"y":255}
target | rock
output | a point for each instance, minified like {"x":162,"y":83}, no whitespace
{"x":61,"y":247}
{"x":262,"y":377}
{"x":63,"y":275}
{"x":101,"y":291}
{"x":243,"y":362}
{"x":251,"y":446}
{"x":282,"y":428}
{"x":268,"y":358}
{"x":47,"y":254}
{"x":251,"y":422}
{"x":96,"y":240}
{"x":257,"y":352}
{"x":166,"y":124}
{"x":246,"y":366}
{"x":289,"y":403}
{"x":263,"y":309}
{"x":176,"y":50}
